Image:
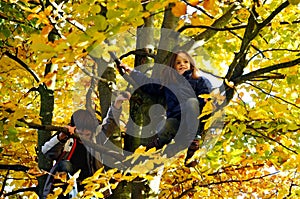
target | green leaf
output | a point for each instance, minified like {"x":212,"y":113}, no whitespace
{"x":100,"y":22}
{"x":12,"y":134}
{"x":5,"y":31}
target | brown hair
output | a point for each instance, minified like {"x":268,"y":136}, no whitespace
{"x":83,"y":119}
{"x":169,"y":76}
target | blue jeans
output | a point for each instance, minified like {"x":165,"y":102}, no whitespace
{"x":182,"y":130}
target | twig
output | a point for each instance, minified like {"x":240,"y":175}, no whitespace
{"x":4,"y":183}
{"x":199,"y":8}
{"x":274,"y":96}
{"x":266,"y":137}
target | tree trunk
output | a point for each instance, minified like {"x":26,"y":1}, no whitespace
{"x":46,"y":113}
{"x":140,"y":104}
{"x":105,"y":92}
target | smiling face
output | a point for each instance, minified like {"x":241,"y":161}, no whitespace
{"x":182,"y":63}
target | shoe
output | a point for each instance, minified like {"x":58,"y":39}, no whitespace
{"x":190,"y":152}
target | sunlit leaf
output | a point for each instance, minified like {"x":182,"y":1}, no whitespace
{"x":179,"y":9}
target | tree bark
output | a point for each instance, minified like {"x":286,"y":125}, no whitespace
{"x":46,"y":114}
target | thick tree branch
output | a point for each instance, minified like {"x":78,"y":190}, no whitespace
{"x":273,"y":15}
{"x":261,"y":71}
{"x":268,"y":77}
{"x":218,"y":25}
{"x":251,"y":32}
{"x":14,"y":167}
{"x":221,"y":22}
{"x":93,"y":145}
{"x":240,"y":57}
{"x":4,"y":183}
{"x":25,"y":66}
{"x":88,"y":100}
{"x":138,"y":52}
{"x":31,"y":189}
{"x":88,"y":73}
{"x":87,"y":142}
{"x":253,"y":46}
{"x":225,"y":28}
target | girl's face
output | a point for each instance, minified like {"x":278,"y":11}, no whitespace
{"x":182,"y":63}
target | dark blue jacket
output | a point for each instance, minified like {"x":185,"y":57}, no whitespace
{"x":175,"y":93}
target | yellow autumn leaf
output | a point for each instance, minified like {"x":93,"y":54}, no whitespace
{"x":194,"y":2}
{"x":98,"y":194}
{"x":111,"y":172}
{"x":207,"y":109}
{"x":148,"y":177}
{"x":46,"y":30}
{"x":98,"y":173}
{"x":32,"y":16}
{"x":71,"y":182}
{"x":57,"y":191}
{"x":48,"y":10}
{"x":294,"y":2}
{"x":128,"y":178}
{"x":195,"y":19}
{"x":117,"y":176}
{"x":179,"y":9}
{"x":229,"y":83}
{"x":36,"y":9}
{"x":140,"y":150}
{"x":9,"y":105}
{"x":149,"y":165}
{"x":180,"y":24}
{"x":209,"y":5}
{"x":36,"y":171}
{"x":114,"y":185}
{"x":139,"y":169}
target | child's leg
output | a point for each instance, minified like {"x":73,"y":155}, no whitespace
{"x":166,"y":134}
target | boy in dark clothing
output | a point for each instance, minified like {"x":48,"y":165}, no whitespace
{"x":71,"y":154}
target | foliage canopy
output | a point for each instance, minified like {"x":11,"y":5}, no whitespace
{"x":252,"y":48}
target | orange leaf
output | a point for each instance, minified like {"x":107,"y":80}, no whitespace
{"x":195,"y":19}
{"x":46,"y":30}
{"x":194,"y":2}
{"x":209,"y":4}
{"x":179,"y":9}
{"x":32,"y":16}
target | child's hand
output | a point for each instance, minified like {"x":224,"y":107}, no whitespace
{"x":126,"y":68}
{"x":71,"y":129}
{"x":121,"y":98}
{"x":62,"y":137}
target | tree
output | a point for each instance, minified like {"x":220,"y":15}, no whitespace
{"x":251,"y":47}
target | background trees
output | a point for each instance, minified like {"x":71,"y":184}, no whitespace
{"x":53,"y":51}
